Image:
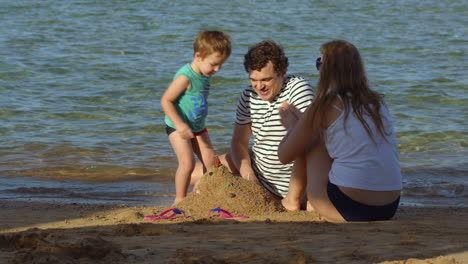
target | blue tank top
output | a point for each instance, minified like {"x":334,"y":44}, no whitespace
{"x":192,"y":105}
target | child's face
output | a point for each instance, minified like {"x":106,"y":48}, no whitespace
{"x":209,"y":65}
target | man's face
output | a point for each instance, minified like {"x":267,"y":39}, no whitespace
{"x":266,"y":82}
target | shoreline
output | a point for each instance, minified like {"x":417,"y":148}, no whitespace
{"x":68,"y":233}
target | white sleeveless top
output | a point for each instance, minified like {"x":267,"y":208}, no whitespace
{"x":358,"y":161}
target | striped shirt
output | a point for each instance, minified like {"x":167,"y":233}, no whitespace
{"x":268,"y":131}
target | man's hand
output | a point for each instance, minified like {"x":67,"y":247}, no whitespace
{"x":251,"y":177}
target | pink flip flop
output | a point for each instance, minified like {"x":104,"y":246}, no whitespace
{"x":162,"y":215}
{"x":225,"y":214}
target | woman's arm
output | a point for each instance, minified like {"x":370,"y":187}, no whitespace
{"x":300,"y":138}
{"x":290,"y":147}
{"x":295,"y":142}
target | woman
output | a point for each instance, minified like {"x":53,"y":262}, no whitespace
{"x":353,"y":173}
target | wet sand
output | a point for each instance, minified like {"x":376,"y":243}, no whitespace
{"x":57,"y":233}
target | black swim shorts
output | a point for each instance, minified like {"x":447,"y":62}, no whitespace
{"x":351,"y":210}
{"x":169,"y":130}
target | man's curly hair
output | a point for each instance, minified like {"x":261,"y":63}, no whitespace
{"x":258,"y":56}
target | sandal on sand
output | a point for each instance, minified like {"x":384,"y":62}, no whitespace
{"x":161,"y":216}
{"x":225,"y":214}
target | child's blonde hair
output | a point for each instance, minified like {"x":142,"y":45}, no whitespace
{"x":209,"y":42}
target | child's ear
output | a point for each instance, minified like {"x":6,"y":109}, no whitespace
{"x":198,"y":56}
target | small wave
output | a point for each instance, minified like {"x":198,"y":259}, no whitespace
{"x":96,"y":173}
{"x":450,"y":190}
{"x":37,"y":190}
{"x":44,"y":190}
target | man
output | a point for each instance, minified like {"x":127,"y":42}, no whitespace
{"x":258,"y":116}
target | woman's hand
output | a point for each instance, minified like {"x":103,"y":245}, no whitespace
{"x":289,"y":149}
{"x":289,"y":115}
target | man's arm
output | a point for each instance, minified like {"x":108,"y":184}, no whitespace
{"x":240,"y":151}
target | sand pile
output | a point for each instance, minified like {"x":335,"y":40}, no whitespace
{"x":41,"y":248}
{"x":219,"y":188}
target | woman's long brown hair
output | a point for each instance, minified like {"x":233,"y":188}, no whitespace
{"x":342,"y":73}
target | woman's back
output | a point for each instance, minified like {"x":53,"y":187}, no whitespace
{"x":360,"y":161}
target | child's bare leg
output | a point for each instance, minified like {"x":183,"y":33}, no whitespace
{"x":205,"y":152}
{"x":297,"y":185}
{"x":203,"y":147}
{"x":225,"y":160}
{"x":184,"y":152}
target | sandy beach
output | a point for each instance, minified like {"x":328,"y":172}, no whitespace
{"x":84,"y":153}
{"x":32,"y":232}
{"x":54,"y":233}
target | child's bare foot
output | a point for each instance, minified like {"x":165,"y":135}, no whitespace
{"x":177,"y":201}
{"x":291,"y":205}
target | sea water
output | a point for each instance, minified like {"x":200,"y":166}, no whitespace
{"x":81,"y":80}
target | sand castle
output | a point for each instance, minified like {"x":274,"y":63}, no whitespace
{"x":219,"y":188}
